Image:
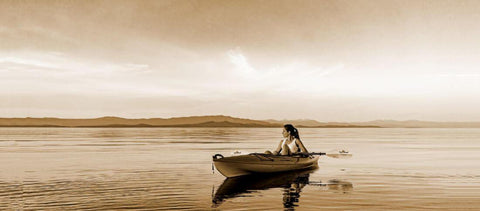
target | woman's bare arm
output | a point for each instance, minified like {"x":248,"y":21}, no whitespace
{"x":301,"y":146}
{"x":279,"y":148}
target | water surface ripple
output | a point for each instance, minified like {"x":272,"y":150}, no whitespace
{"x":170,"y":169}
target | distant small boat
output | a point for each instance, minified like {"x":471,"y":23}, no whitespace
{"x":256,"y":163}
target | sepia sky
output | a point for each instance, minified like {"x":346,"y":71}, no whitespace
{"x":322,"y":60}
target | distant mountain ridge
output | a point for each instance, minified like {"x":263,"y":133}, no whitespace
{"x":381,"y":123}
{"x":221,"y":121}
{"x":193,"y":121}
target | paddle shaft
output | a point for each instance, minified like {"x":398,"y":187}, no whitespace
{"x":317,"y":153}
{"x":311,"y":153}
{"x":332,"y":155}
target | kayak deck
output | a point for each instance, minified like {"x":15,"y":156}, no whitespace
{"x":256,"y":163}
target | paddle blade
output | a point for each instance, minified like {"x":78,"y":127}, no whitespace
{"x":341,"y":154}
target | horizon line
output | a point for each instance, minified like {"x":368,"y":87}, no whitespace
{"x":221,"y":115}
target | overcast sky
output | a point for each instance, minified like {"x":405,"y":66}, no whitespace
{"x":322,"y":60}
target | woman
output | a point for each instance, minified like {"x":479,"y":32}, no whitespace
{"x":291,"y":144}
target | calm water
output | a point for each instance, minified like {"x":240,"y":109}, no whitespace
{"x":170,"y":168}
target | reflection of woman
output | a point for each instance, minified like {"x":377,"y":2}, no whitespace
{"x":291,"y":194}
{"x":291,"y":144}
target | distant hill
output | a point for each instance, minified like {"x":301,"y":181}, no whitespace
{"x":303,"y":122}
{"x":315,"y":124}
{"x":380,"y":123}
{"x":419,"y":124}
{"x":194,"y":121}
{"x":222,"y":121}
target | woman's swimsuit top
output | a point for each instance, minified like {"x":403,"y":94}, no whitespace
{"x":293,"y":145}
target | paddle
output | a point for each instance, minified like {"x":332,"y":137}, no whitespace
{"x":342,"y":154}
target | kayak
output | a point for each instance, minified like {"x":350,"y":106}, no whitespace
{"x":259,"y":163}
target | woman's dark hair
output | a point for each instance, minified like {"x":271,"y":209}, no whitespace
{"x":292,"y":130}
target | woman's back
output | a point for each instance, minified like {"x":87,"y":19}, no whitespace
{"x":292,"y":145}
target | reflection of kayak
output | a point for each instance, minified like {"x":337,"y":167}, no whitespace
{"x":291,"y":183}
{"x":235,"y":187}
{"x":262,"y":163}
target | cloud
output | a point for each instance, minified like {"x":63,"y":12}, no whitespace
{"x":54,"y":72}
{"x":26,"y":62}
{"x":240,"y":61}
{"x":286,"y":76}
{"x":56,"y":63}
{"x":472,"y":76}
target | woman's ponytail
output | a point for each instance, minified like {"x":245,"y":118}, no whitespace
{"x":292,"y":130}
